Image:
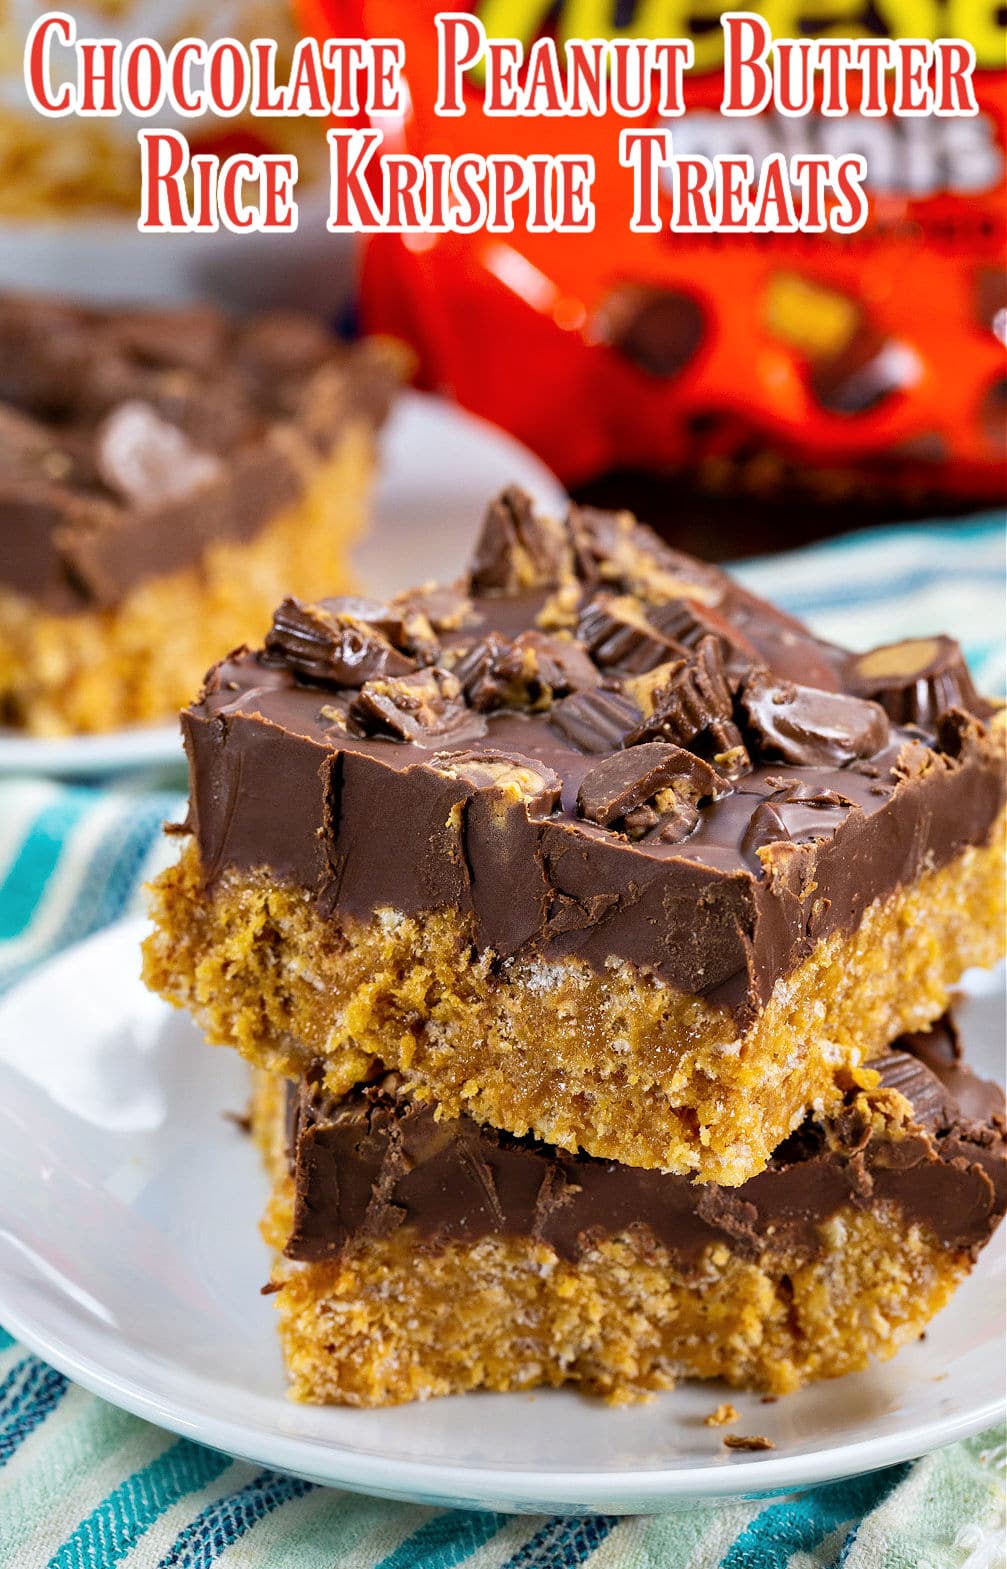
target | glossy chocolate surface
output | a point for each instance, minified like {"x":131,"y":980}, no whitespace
{"x":378,"y":1160}
{"x":757,"y":802}
{"x":129,"y":440}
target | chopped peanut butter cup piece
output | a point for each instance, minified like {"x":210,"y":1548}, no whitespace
{"x":802,"y":724}
{"x":619,"y":637}
{"x":522,"y":778}
{"x":518,"y":549}
{"x":917,"y":679}
{"x":687,"y":622}
{"x":597,"y":721}
{"x":851,"y":365}
{"x":414,"y":707}
{"x":612,"y":548}
{"x":796,"y":814}
{"x":651,"y":773}
{"x":442,"y":608}
{"x":530,"y":671}
{"x":687,"y":700}
{"x":337,"y":642}
{"x":657,"y":330}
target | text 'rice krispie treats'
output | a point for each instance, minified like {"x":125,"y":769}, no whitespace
{"x":417,"y":1257}
{"x":595,"y":846}
{"x":164,"y":477}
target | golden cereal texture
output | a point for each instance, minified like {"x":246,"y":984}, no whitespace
{"x":396,"y":1320}
{"x":616,"y":1064}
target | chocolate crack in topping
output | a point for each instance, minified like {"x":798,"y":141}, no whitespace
{"x":916,"y":680}
{"x":531,"y":671}
{"x":803,"y":725}
{"x":652,"y":788}
{"x":688,"y":700}
{"x":338,"y":642}
{"x":795,"y":814}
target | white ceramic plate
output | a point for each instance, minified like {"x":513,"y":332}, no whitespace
{"x":129,"y":1258}
{"x":439,"y":467}
{"x":108,"y":261}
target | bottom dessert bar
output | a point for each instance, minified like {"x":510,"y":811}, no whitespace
{"x":418,"y":1257}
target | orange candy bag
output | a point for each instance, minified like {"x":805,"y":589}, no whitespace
{"x":879,"y":353}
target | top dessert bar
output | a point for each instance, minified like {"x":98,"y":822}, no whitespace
{"x":159,"y":472}
{"x":595,"y":845}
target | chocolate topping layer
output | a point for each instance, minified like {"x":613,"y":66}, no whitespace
{"x":131,"y":440}
{"x":321,"y":761}
{"x":378,"y":1160}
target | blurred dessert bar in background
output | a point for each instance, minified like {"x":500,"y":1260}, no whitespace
{"x":164,"y":477}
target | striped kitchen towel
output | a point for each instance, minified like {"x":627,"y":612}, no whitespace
{"x":84,"y":1485}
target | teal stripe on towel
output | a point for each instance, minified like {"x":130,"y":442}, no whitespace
{"x":113,"y":1529}
{"x":24,"y":887}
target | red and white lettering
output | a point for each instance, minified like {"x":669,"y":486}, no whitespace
{"x":164,"y":159}
{"x":748,"y":84}
{"x":351,"y":208}
{"x":461,"y":43}
{"x":646,"y":153}
{"x":56,"y":27}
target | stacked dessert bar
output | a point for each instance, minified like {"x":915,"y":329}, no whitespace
{"x":585,"y":923}
{"x":164,"y":477}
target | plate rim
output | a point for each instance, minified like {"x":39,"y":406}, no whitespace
{"x":481,"y":1487}
{"x":454,"y":1483}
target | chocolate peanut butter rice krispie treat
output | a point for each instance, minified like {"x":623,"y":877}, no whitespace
{"x":164,"y":477}
{"x":418,"y":1258}
{"x":595,"y":846}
